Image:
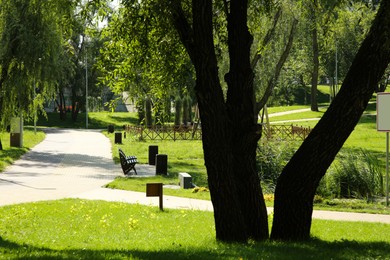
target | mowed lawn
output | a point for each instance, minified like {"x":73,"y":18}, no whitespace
{"x":79,"y":229}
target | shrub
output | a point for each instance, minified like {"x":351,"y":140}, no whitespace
{"x":355,"y":174}
{"x":271,"y":159}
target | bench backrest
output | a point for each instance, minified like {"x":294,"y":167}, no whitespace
{"x":122,"y":156}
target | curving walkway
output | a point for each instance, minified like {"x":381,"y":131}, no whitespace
{"x":77,"y":163}
{"x":67,"y":162}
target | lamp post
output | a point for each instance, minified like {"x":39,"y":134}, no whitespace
{"x":35,"y":109}
{"x":86,"y":88}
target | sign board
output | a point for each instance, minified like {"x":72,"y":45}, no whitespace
{"x":383,"y":112}
{"x":155,"y":190}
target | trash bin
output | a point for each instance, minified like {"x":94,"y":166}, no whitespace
{"x":118,"y":137}
{"x":153,"y":151}
{"x":161,"y":164}
{"x":110,"y":129}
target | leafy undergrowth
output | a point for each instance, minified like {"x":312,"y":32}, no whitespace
{"x":353,"y":205}
{"x":77,"y":229}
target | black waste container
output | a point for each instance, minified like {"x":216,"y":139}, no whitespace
{"x":161,"y":164}
{"x":153,"y":151}
{"x":118,"y":137}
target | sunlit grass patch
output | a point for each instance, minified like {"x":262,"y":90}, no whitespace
{"x":78,"y":229}
{"x":9,"y":154}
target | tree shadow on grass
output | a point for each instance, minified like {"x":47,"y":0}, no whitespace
{"x":125,"y":120}
{"x":318,"y":249}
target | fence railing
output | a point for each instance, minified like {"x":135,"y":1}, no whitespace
{"x":283,"y":132}
{"x":286,"y":132}
{"x":165,"y":132}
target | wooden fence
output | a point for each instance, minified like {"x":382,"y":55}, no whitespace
{"x":282,"y":132}
{"x":286,"y":132}
{"x":165,"y":132}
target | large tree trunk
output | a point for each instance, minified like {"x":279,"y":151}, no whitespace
{"x":299,"y":180}
{"x":242,"y":114}
{"x":216,"y":128}
{"x":230,"y":133}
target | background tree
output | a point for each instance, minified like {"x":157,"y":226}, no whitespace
{"x":80,"y":55}
{"x":141,"y":53}
{"x":229,"y":113}
{"x":31,"y":44}
{"x":344,"y":36}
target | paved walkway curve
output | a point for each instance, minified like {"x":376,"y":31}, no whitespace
{"x":77,"y":163}
{"x":67,"y":162}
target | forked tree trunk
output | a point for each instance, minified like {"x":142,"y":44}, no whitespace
{"x":300,"y":178}
{"x":229,"y":129}
{"x":241,"y":105}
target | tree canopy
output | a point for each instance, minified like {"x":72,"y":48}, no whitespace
{"x":31,"y":49}
{"x":214,"y":32}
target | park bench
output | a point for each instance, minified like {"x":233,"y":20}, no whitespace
{"x":127,"y":162}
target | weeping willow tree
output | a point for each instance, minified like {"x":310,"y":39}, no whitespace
{"x":32,"y":50}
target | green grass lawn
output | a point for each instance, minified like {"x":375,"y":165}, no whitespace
{"x":78,"y":229}
{"x":183,"y":156}
{"x":9,"y":154}
{"x":286,"y":108}
{"x":96,"y":120}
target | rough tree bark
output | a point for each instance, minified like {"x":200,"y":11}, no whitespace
{"x":300,"y":178}
{"x":241,"y":105}
{"x":230,"y":132}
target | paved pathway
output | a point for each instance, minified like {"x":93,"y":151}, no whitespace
{"x":67,"y":162}
{"x":77,"y":163}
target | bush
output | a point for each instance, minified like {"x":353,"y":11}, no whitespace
{"x":354,"y":175}
{"x":271,"y":159}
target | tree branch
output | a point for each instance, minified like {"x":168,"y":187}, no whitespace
{"x":183,"y":28}
{"x":279,"y":66}
{"x":268,"y":37}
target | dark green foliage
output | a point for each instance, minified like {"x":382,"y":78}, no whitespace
{"x":356,"y":174}
{"x":271,"y":159}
